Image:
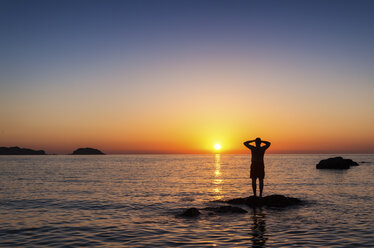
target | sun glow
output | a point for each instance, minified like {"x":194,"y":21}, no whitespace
{"x":217,"y":146}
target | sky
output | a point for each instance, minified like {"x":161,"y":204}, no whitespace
{"x":181,"y":76}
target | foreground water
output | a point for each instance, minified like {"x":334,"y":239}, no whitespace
{"x":131,"y":201}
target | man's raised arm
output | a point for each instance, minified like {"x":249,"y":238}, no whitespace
{"x":248,"y":145}
{"x":267,"y":144}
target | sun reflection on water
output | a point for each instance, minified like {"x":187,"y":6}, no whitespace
{"x":217,"y":181}
{"x":258,"y":228}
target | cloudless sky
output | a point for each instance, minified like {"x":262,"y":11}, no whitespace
{"x":181,"y":76}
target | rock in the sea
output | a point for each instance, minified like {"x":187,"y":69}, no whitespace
{"x":269,"y":201}
{"x":190,"y":212}
{"x":87,"y":151}
{"x":336,"y":163}
{"x":226,"y":210}
{"x":278,"y":201}
{"x":19,"y":151}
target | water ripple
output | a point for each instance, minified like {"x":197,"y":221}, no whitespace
{"x":131,"y":201}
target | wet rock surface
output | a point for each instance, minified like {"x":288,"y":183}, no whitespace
{"x":226,"y":210}
{"x":276,"y":201}
{"x":189,"y":213}
{"x":269,"y":201}
{"x":336,"y":163}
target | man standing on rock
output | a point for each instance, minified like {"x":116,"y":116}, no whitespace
{"x":257,"y":166}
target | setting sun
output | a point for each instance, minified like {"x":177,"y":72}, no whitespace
{"x":217,"y":146}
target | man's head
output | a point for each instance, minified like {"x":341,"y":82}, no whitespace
{"x":258,"y":142}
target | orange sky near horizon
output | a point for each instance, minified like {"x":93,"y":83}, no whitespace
{"x":223,"y":103}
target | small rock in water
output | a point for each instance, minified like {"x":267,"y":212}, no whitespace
{"x":226,"y":209}
{"x":280,"y":201}
{"x":336,"y":163}
{"x":269,"y":201}
{"x":252,"y":201}
{"x":190,"y":212}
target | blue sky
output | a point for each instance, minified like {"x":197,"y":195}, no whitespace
{"x":39,"y":35}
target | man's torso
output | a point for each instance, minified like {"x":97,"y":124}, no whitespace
{"x":258,"y":155}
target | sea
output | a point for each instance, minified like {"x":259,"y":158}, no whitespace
{"x":134,"y":200}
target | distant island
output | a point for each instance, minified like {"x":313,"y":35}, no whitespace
{"x":19,"y":151}
{"x":87,"y":151}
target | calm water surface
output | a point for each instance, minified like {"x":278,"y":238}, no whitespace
{"x":131,"y":201}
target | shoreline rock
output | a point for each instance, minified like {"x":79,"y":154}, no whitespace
{"x":272,"y":201}
{"x":15,"y":150}
{"x":87,"y":151}
{"x":267,"y":201}
{"x":226,"y":210}
{"x":336,"y":163}
{"x":190,"y":213}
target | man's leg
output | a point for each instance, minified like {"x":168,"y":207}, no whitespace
{"x":254,"y":186}
{"x":261,"y":182}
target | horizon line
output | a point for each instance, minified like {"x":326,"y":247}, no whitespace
{"x":222,"y":153}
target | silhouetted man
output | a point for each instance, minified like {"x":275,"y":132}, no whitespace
{"x":257,"y":166}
